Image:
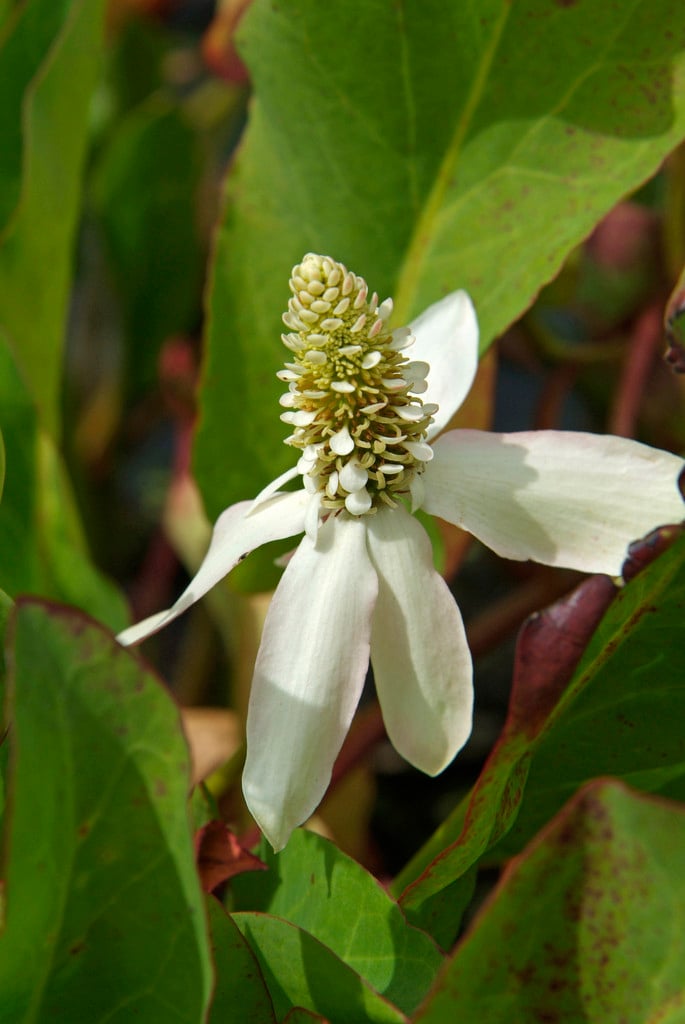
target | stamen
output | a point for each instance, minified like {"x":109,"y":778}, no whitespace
{"x":352,"y":398}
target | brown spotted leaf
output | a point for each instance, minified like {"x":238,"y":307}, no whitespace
{"x":585,"y":925}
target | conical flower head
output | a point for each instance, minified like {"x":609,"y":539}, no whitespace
{"x":353,"y":396}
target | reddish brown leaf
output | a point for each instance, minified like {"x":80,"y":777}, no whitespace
{"x":549,"y":647}
{"x":298,"y":1015}
{"x":220,"y":856}
{"x":642,"y":552}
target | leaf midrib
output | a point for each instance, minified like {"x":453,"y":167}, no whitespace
{"x":422,"y":235}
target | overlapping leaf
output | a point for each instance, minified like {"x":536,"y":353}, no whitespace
{"x":315,"y":886}
{"x":301,"y":972}
{"x":240,"y":995}
{"x":430,"y":146}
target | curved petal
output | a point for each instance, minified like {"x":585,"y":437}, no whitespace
{"x":273,"y":487}
{"x":235,"y":534}
{"x":420,"y":658}
{"x":447,"y":339}
{"x":567,"y":499}
{"x":309,"y":675}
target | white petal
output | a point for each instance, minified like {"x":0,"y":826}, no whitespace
{"x":419,"y":653}
{"x":567,"y":499}
{"x":271,"y":488}
{"x":238,"y":531}
{"x":311,"y":519}
{"x":309,"y":675}
{"x":447,"y":338}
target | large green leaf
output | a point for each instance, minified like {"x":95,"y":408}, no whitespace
{"x":587,"y":925}
{"x":315,"y":886}
{"x":104,"y":915}
{"x":42,"y":550}
{"x":48,"y":66}
{"x":300,"y":971}
{"x":621,"y":714}
{"x":429,"y":145}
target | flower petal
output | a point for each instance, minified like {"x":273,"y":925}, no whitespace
{"x":447,"y":339}
{"x":561,"y":498}
{"x":274,"y":486}
{"x":309,"y":675}
{"x":235,"y":534}
{"x":420,"y":658}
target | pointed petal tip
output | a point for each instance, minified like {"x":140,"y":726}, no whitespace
{"x":274,"y":829}
{"x":140,"y":631}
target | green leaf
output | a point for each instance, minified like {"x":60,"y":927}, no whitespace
{"x":2,"y":464}
{"x":203,"y":807}
{"x":144,"y":189}
{"x":585,"y":925}
{"x":240,"y":995}
{"x":26,"y":44}
{"x":429,"y":145}
{"x":315,"y":886}
{"x":43,"y":550}
{"x":620,"y":715}
{"x":48,"y":66}
{"x":104,"y":915}
{"x":301,"y":972}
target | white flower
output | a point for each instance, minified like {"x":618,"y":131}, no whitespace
{"x":361,"y":585}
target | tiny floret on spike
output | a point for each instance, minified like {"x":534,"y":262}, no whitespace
{"x":352,"y":394}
